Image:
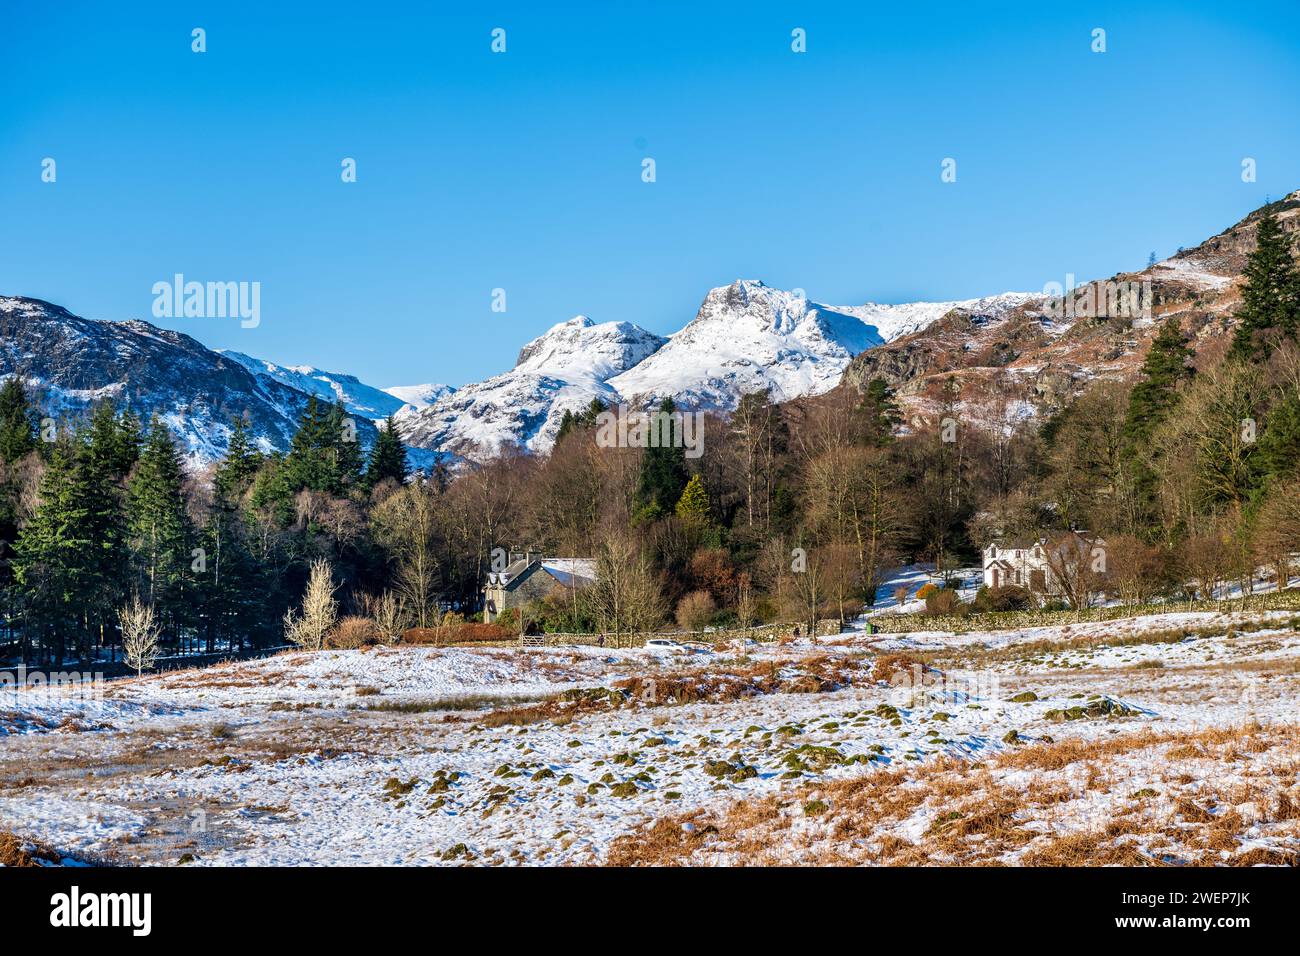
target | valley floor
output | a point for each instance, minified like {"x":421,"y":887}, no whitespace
{"x":1163,"y":739}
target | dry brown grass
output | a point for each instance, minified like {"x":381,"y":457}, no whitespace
{"x":812,"y":675}
{"x":978,"y":815}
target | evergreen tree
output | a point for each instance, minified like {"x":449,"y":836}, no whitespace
{"x":235,"y":473}
{"x":158,"y":527}
{"x":272,"y":494}
{"x":591,"y":414}
{"x":663,"y":468}
{"x":345,"y":455}
{"x":1166,"y":366}
{"x":693,"y":505}
{"x":387,"y":456}
{"x":112,"y":442}
{"x":69,"y":558}
{"x":881,"y":412}
{"x":309,"y":463}
{"x":567,"y":423}
{"x":1270,"y":297}
{"x":17,"y":430}
{"x":1278,"y":456}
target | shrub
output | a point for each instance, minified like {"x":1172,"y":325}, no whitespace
{"x":351,"y":632}
{"x":926,"y":590}
{"x":1009,"y":598}
{"x":943,"y":601}
{"x":894,"y":668}
{"x":695,"y":610}
{"x":454,"y":632}
{"x":478,"y":631}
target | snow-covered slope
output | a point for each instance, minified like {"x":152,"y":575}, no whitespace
{"x":748,"y":337}
{"x":419,"y":396}
{"x":564,"y":369}
{"x":70,"y":362}
{"x":894,"y":321}
{"x":357,"y":397}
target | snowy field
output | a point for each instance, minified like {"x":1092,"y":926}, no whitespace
{"x":1180,"y":727}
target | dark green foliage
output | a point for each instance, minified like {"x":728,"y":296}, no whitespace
{"x":1270,"y":298}
{"x":1166,"y":366}
{"x":663,"y":470}
{"x":69,"y":560}
{"x":236,"y":471}
{"x":17,"y":428}
{"x":158,"y":529}
{"x":880,"y":411}
{"x":387,"y":456}
{"x":1278,"y":456}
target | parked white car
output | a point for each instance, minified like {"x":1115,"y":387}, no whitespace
{"x":661,"y":645}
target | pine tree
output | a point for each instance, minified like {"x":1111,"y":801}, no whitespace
{"x":591,"y":414}
{"x":693,"y":505}
{"x":17,"y":430}
{"x":1166,"y":366}
{"x":387,"y":456}
{"x":1270,"y":297}
{"x":344,"y":455}
{"x":663,"y":469}
{"x":1279,"y":444}
{"x":235,"y":473}
{"x":273,"y":491}
{"x":112,"y":442}
{"x":308,"y":464}
{"x":567,"y":424}
{"x":158,"y":527}
{"x":881,"y":412}
{"x":70,"y":557}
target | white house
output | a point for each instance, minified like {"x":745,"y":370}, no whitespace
{"x":1020,"y":564}
{"x":1037,"y":565}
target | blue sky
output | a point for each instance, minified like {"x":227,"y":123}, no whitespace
{"x":522,"y":170}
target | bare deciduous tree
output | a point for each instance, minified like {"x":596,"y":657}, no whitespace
{"x":695,"y":611}
{"x":140,"y":632}
{"x":319,"y":610}
{"x":389,"y":614}
{"x":406,"y":523}
{"x":628,"y":595}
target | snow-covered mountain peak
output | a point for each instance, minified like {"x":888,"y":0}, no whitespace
{"x":748,"y":336}
{"x":561,"y":370}
{"x":584,"y":348}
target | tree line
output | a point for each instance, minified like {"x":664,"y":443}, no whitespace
{"x":796,"y":511}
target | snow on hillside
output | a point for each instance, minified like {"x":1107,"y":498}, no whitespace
{"x":392,"y":755}
{"x":70,"y":362}
{"x":357,"y":397}
{"x":748,"y":337}
{"x":418,"y":396}
{"x":564,"y":369}
{"x":894,"y":321}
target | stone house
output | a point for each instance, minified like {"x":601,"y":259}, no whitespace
{"x":530,"y":577}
